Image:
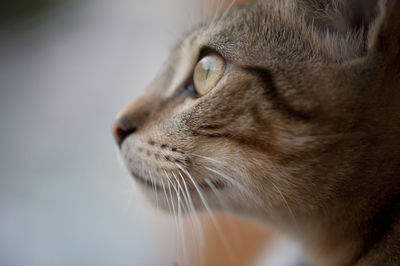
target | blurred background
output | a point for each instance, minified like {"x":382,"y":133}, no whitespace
{"x":66,"y":69}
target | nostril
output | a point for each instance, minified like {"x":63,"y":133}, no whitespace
{"x":121,"y":130}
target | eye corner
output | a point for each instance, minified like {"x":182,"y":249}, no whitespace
{"x":188,"y":89}
{"x":192,"y":90}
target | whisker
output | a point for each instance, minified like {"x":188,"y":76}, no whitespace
{"x":210,"y":213}
{"x":153,"y":183}
{"x":199,"y":229}
{"x":230,"y":6}
{"x":309,"y":138}
{"x":216,"y":193}
{"x":182,"y":231}
{"x":223,"y":205}
{"x":293,"y":217}
{"x":180,"y":189}
{"x":213,"y":160}
{"x":166,"y":197}
{"x":231,"y":180}
{"x":180,"y":215}
{"x":174,"y":214}
{"x":181,"y":234}
{"x":216,"y":11}
{"x":209,"y":159}
{"x":190,"y":208}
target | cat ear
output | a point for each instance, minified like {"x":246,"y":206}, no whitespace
{"x":377,"y":20}
{"x":384,"y":35}
{"x":354,"y":15}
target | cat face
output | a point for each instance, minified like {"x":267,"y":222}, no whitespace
{"x":258,"y":112}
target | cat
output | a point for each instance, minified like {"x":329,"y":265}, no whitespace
{"x":284,"y":112}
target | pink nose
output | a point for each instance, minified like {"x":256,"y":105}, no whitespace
{"x":122,"y":129}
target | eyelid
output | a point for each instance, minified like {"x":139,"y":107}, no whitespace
{"x":217,"y":49}
{"x":207,"y":51}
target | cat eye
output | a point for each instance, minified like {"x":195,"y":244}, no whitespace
{"x":209,"y":70}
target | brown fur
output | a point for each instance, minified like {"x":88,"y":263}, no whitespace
{"x":306,"y":121}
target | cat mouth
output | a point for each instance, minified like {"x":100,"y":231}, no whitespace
{"x":216,"y":184}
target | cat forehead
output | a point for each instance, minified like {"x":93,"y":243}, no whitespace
{"x":254,"y":34}
{"x":274,"y":31}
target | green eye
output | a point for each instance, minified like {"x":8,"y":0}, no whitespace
{"x":208,"y":72}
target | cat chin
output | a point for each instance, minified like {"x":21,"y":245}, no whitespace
{"x":166,"y":197}
{"x":169,"y":202}
{"x":157,"y":187}
{"x":159,"y":192}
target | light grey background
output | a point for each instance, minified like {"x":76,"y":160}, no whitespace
{"x":64,"y":197}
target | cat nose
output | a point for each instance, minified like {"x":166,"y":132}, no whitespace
{"x":121,"y":129}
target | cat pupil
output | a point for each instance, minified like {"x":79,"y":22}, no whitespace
{"x":208,"y":72}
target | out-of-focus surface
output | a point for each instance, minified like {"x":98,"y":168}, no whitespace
{"x":233,"y":242}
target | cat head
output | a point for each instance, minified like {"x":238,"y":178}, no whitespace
{"x":271,"y":110}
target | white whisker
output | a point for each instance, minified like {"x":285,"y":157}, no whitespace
{"x":286,"y":203}
{"x":231,"y":180}
{"x":173,"y":212}
{"x":216,"y":193}
{"x":153,"y":183}
{"x":194,"y":215}
{"x":166,"y":197}
{"x":223,"y":205}
{"x":230,"y":6}
{"x":181,"y":190}
{"x":179,"y":216}
{"x":223,"y":175}
{"x":208,"y":209}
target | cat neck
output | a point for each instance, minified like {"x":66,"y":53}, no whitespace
{"x":357,"y":230}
